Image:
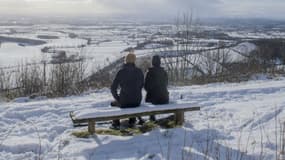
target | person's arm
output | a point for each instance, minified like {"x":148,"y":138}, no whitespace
{"x":142,"y":79}
{"x":115,"y":86}
{"x":147,"y":80}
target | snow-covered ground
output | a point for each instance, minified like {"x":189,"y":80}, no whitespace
{"x":106,"y":45}
{"x":11,"y":54}
{"x":236,"y":119}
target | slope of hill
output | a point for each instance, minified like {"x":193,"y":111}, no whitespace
{"x":237,"y":121}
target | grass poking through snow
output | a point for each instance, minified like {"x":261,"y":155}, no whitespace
{"x":146,"y":127}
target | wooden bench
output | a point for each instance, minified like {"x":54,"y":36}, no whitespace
{"x":91,"y":116}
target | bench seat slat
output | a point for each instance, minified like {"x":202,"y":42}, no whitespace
{"x":111,"y":113}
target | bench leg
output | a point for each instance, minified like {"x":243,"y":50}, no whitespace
{"x":179,"y":117}
{"x":91,"y":126}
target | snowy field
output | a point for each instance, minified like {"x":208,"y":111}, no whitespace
{"x":106,"y":42}
{"x":12,"y":54}
{"x":102,"y":43}
{"x":236,"y":119}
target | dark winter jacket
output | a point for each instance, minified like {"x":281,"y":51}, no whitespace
{"x":156,"y":84}
{"x":130,"y":79}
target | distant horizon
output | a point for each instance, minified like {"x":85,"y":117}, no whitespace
{"x":160,"y":10}
{"x":81,"y":19}
{"x":133,"y":18}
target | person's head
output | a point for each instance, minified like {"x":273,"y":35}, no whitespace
{"x":156,"y":61}
{"x":130,"y":58}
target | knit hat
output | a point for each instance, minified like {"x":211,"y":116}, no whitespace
{"x":130,"y":58}
{"x":156,"y":61}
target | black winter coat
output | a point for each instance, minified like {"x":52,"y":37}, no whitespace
{"x":156,"y":86}
{"x":130,"y":79}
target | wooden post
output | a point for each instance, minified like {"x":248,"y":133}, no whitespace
{"x":91,"y":126}
{"x":179,"y":117}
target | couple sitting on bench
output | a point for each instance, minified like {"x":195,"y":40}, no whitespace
{"x":130,"y":80}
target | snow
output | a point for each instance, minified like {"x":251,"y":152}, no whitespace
{"x":106,"y":52}
{"x":235,"y":118}
{"x":253,"y":35}
{"x":111,"y":111}
{"x":241,"y":52}
{"x":13,"y":54}
{"x":22,"y":99}
{"x":27,"y":145}
{"x":66,"y":42}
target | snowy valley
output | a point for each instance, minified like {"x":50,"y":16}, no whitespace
{"x":241,"y":95}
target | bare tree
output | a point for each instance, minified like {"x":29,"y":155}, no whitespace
{"x":29,"y":79}
{"x":65,"y":78}
{"x":181,"y":60}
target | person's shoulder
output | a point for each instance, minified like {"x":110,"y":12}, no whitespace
{"x":152,"y":70}
{"x":138,"y":69}
{"x":160,"y":70}
{"x":122,"y":70}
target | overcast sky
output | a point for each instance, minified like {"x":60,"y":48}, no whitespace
{"x":148,"y":9}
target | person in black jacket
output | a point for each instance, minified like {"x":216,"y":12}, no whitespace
{"x":130,"y":80}
{"x":156,"y":82}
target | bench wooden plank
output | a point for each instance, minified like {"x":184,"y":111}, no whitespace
{"x":110,"y":113}
{"x":123,"y":116}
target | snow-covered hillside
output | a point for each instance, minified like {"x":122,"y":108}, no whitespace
{"x":236,"y":119}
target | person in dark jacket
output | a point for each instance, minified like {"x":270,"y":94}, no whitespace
{"x":130,"y":80}
{"x":156,"y":82}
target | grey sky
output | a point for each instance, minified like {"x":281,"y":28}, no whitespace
{"x":147,"y":8}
